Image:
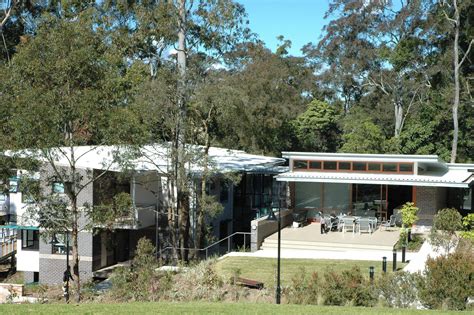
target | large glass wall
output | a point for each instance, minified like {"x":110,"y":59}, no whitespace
{"x":323,"y":196}
{"x":336,"y":198}
{"x":308,"y":195}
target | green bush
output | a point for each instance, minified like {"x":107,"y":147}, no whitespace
{"x":199,"y":283}
{"x":398,"y":289}
{"x":141,"y":282}
{"x":414,"y":245}
{"x":449,"y":280}
{"x":445,"y":224}
{"x":303,"y":289}
{"x":409,"y":216}
{"x":349,"y":287}
{"x":468,"y":223}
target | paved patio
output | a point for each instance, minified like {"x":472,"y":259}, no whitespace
{"x":311,"y":235}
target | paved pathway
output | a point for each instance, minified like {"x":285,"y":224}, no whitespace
{"x":418,"y":262}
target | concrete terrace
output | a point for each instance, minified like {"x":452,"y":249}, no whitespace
{"x":308,"y":243}
{"x":309,"y":237}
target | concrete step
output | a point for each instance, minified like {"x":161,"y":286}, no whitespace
{"x":270,"y":243}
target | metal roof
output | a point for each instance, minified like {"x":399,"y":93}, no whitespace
{"x":458,"y":177}
{"x":154,"y":157}
{"x":363,"y":157}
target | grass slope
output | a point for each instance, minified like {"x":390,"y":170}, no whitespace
{"x":264,"y":269}
{"x":202,"y":308}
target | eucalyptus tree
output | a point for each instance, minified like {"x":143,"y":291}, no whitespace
{"x":170,"y":36}
{"x":61,"y":91}
{"x":374,"y":45}
{"x":452,"y":12}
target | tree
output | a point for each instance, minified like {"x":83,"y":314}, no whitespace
{"x":317,"y":128}
{"x":361,"y":134}
{"x":201,"y":30}
{"x":458,"y":60}
{"x":373,"y":46}
{"x":62,"y":96}
{"x":271,"y":90}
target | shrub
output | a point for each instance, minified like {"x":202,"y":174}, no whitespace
{"x":413,"y":245}
{"x":200,"y":282}
{"x":141,"y":282}
{"x":409,"y":216}
{"x":445,"y":224}
{"x":349,"y":287}
{"x":449,"y":280}
{"x":398,"y":289}
{"x":303,"y":289}
{"x":468,"y":223}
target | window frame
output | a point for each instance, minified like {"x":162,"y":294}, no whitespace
{"x":32,"y":243}
{"x":351,"y":169}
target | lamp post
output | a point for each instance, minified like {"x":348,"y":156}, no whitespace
{"x":271,"y":217}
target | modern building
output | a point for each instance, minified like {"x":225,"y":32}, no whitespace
{"x":377,"y":184}
{"x":144,"y":178}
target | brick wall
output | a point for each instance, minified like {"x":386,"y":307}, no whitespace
{"x":28,"y":276}
{"x":429,"y":200}
{"x":52,"y":266}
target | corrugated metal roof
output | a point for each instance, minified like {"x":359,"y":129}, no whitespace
{"x":155,"y":157}
{"x":457,"y":177}
{"x":364,"y":157}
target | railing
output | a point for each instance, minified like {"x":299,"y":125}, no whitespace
{"x":7,"y":242}
{"x":207,"y":248}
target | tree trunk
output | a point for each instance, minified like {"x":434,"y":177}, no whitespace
{"x":75,"y":250}
{"x":398,"y":118}
{"x":200,"y":215}
{"x":456,"y":65}
{"x":182,"y":185}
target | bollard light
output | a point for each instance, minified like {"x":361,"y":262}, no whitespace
{"x":394,"y":260}
{"x":384,"y":264}
{"x":371,"y":273}
{"x":404,"y":248}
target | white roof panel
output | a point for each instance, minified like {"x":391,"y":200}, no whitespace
{"x":457,"y":177}
{"x":154,"y":158}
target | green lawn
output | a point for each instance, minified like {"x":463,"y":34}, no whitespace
{"x":201,"y":308}
{"x":264,"y":269}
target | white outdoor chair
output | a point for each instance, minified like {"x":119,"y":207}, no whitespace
{"x":390,"y":223}
{"x":365,"y":225}
{"x":347,"y":224}
{"x":373,"y":221}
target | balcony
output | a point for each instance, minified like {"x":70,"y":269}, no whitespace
{"x":142,"y":216}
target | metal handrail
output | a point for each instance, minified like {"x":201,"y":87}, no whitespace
{"x":206,"y":249}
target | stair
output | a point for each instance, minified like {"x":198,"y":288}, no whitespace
{"x":321,"y":246}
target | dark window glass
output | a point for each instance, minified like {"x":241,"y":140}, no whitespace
{"x":329,"y":165}
{"x":30,"y":190}
{"x":13,"y":185}
{"x":59,"y":243}
{"x":404,"y":167}
{"x":298,"y":165}
{"x":359,"y":166}
{"x":344,"y":165}
{"x":374,"y":166}
{"x":389,"y":167}
{"x":315,"y":165}
{"x":29,"y":239}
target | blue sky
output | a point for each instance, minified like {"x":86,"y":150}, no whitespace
{"x":300,"y":21}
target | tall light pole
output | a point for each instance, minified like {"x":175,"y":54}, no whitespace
{"x":278,"y":289}
{"x":271,"y":217}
